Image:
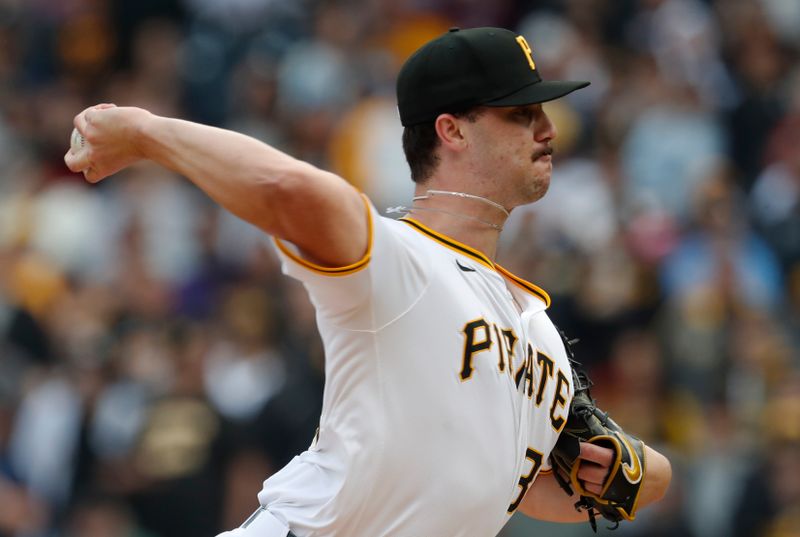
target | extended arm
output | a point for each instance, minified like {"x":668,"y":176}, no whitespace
{"x":546,"y":500}
{"x":288,"y":198}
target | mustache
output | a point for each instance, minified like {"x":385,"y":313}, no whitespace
{"x":548,"y":150}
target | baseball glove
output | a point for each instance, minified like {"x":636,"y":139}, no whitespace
{"x":587,"y":423}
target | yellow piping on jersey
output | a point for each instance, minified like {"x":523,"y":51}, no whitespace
{"x":528,"y":286}
{"x":472,"y":252}
{"x":450,"y":243}
{"x":334,"y":271}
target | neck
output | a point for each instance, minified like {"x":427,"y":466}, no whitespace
{"x":430,"y":193}
{"x":468,"y":218}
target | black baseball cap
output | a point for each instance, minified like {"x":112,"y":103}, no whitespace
{"x":471,"y":67}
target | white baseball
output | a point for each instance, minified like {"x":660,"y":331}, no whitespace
{"x":76,"y":141}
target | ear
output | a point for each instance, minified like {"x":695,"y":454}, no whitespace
{"x":448,"y":128}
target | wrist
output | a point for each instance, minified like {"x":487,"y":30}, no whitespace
{"x":142,"y":132}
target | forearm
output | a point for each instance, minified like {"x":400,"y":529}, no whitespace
{"x":240,"y":173}
{"x":658,"y":474}
{"x":546,"y":500}
{"x":316,"y":210}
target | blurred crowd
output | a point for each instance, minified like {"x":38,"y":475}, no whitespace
{"x":155,"y":366}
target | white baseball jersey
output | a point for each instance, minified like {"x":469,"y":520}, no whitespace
{"x":446,"y":388}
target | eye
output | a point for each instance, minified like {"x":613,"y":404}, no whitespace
{"x":523,"y":115}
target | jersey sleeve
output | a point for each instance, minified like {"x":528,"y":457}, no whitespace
{"x":369,"y":293}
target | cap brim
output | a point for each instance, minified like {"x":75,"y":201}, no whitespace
{"x":539,"y":92}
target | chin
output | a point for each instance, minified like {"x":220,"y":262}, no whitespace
{"x":538,"y":189}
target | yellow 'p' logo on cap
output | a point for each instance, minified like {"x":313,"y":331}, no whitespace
{"x":526,"y":48}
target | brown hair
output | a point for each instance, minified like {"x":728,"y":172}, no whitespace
{"x":420,"y":143}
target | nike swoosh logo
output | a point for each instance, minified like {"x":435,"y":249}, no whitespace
{"x":462,"y":267}
{"x":633,"y":473}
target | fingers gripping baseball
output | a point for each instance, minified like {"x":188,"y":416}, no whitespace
{"x":104,"y":141}
{"x":78,"y":158}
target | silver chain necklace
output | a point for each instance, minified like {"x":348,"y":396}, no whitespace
{"x":431,"y":193}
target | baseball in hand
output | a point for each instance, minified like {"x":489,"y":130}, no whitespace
{"x":76,"y":141}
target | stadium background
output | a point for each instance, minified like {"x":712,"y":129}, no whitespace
{"x":155,"y":366}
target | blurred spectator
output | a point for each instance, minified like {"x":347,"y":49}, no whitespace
{"x":770,"y":499}
{"x":665,"y":152}
{"x":365,"y":150}
{"x":684,"y":39}
{"x":718,"y":271}
{"x":776,"y":194}
{"x":21,"y":512}
{"x":759,"y":63}
{"x":49,"y":415}
{"x":103,"y":517}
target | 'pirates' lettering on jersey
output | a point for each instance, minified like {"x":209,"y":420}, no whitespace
{"x":525,"y":372}
{"x":546,"y":364}
{"x":480,"y":336}
{"x":558,"y":408}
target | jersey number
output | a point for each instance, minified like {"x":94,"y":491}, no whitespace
{"x":525,"y":481}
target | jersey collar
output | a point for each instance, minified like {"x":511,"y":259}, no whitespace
{"x":479,"y":257}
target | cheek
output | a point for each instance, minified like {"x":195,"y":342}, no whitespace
{"x":518,"y":153}
{"x":511,"y":150}
{"x":506,"y":153}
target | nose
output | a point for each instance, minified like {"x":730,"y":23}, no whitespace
{"x":544,"y":130}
